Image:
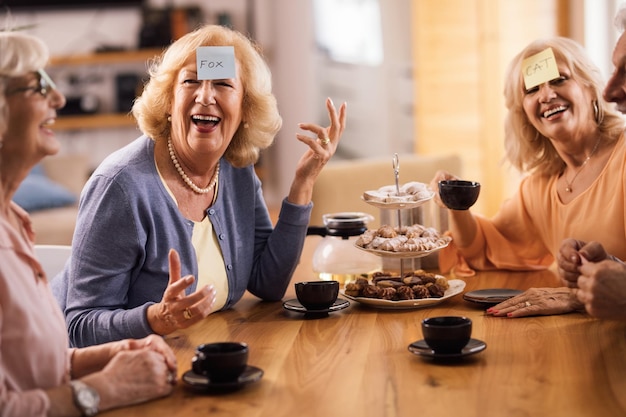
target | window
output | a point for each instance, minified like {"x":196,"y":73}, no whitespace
{"x":349,"y":31}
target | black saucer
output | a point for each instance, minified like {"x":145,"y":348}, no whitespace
{"x":294,"y":305}
{"x":202,"y":383}
{"x":422,"y":349}
{"x":490,"y":296}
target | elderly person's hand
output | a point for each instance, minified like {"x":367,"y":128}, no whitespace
{"x":177,"y":310}
{"x":132,"y":377}
{"x":434,"y":185}
{"x":321,"y":149}
{"x":154,"y":343}
{"x":602,"y":288}
{"x":538,"y":302}
{"x":569,"y":258}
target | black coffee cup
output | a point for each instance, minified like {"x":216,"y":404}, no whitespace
{"x":317,"y":295}
{"x":447,"y":334}
{"x":221,"y":361}
{"x":459,"y":194}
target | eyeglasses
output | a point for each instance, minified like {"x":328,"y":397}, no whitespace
{"x":44,"y":85}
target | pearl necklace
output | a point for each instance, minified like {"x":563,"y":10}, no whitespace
{"x":568,"y":188}
{"x":184,"y":176}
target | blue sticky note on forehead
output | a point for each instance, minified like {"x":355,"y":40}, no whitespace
{"x":215,"y":62}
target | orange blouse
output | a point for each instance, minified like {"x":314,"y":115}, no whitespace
{"x":528,"y":230}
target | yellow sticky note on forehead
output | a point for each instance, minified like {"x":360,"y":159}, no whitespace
{"x":540,"y":68}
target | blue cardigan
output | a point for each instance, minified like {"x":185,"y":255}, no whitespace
{"x":127,"y":223}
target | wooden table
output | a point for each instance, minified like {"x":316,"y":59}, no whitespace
{"x":355,"y":362}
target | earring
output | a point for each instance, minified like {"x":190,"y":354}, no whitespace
{"x":596,"y":111}
{"x":169,"y":119}
{"x":246,"y":125}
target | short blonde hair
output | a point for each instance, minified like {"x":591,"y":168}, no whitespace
{"x":526,"y":148}
{"x":20,"y":54}
{"x":259,"y":108}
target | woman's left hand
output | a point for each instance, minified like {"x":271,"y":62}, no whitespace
{"x":321,"y":148}
{"x":538,"y":302}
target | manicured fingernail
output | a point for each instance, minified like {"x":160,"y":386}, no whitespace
{"x":509,"y":314}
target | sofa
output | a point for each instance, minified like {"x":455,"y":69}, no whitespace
{"x":50,"y":195}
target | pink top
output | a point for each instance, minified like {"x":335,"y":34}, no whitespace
{"x":528,"y":230}
{"x":34,"y":352}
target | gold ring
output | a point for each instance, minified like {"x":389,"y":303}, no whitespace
{"x":325,"y":141}
{"x":187,"y":314}
{"x":527,"y":304}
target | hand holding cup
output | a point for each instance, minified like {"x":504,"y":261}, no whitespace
{"x":458,"y":194}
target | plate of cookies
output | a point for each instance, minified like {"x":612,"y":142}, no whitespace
{"x":413,"y":241}
{"x":407,"y":254}
{"x":415,"y":289}
{"x":411,"y":195}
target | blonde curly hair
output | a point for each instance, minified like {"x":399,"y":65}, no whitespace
{"x":526,"y":148}
{"x":259,"y":108}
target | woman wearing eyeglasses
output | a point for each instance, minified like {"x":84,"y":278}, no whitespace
{"x":39,"y":374}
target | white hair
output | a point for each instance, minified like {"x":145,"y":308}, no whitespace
{"x":20,"y":54}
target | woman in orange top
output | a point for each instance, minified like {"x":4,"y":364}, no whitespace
{"x":570,"y":143}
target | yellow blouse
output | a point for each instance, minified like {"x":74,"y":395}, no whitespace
{"x":211,"y":269}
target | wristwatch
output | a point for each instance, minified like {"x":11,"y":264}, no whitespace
{"x":86,"y":398}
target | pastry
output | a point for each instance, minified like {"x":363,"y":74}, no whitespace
{"x":409,"y":192}
{"x":414,"y":238}
{"x":389,"y":286}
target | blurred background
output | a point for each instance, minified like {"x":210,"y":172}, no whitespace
{"x":420,"y":76}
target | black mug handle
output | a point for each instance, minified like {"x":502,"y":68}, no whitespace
{"x":196,"y":365}
{"x":316,"y":230}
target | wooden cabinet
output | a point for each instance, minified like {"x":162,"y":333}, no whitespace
{"x":99,"y":120}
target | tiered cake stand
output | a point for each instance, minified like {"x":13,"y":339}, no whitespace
{"x":397,"y":208}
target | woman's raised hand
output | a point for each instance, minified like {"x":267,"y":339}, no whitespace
{"x":321,"y":148}
{"x":176,"y":310}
